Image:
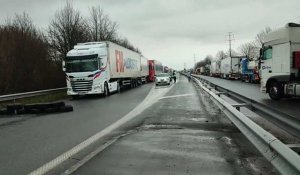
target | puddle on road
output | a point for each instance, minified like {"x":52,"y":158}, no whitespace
{"x":198,"y":119}
{"x":160,"y":126}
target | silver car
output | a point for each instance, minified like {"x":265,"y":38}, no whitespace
{"x":162,"y":79}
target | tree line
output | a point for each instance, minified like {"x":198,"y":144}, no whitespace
{"x":249,"y":49}
{"x":30,"y":59}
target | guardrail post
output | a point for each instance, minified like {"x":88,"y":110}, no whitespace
{"x":238,"y":106}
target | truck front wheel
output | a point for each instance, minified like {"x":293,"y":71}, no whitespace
{"x":276,"y":91}
{"x":106,"y":90}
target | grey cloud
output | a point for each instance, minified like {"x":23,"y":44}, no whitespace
{"x":159,"y":27}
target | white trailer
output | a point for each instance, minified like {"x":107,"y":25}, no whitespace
{"x":215,"y":69}
{"x":230,"y":68}
{"x":101,"y":68}
{"x":280,"y":62}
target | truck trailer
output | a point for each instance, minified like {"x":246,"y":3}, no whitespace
{"x":230,"y":68}
{"x":101,"y":68}
{"x":249,"y":71}
{"x":280,"y":62}
{"x":215,"y":69}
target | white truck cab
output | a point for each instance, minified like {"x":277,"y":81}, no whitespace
{"x":86,"y":70}
{"x":280,"y":62}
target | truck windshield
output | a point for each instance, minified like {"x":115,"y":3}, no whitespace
{"x":81,"y":63}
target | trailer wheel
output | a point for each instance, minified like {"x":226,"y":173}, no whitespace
{"x":276,"y":91}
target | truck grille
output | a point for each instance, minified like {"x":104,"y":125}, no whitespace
{"x":82,"y":86}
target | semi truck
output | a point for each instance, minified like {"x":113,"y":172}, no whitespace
{"x":280,"y":62}
{"x":230,"y":68}
{"x":215,"y":69}
{"x":100,"y":68}
{"x":155,"y":67}
{"x":249,"y":71}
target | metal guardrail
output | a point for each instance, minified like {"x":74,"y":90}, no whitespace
{"x":285,"y":160}
{"x":29,"y":94}
{"x":282,"y":120}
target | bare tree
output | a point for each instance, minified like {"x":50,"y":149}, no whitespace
{"x":207,"y":60}
{"x":24,"y":58}
{"x":221,"y":55}
{"x":21,"y":22}
{"x":250,"y":50}
{"x":125,"y":43}
{"x":66,"y":30}
{"x":260,"y":36}
{"x":101,"y":27}
{"x":233,"y":53}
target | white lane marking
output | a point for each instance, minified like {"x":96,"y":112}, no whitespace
{"x":174,"y":96}
{"x":150,"y":99}
{"x":89,"y":157}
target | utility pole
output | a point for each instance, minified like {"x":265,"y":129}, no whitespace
{"x":230,"y":38}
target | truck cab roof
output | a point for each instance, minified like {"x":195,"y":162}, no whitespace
{"x":289,"y":33}
{"x":88,"y":48}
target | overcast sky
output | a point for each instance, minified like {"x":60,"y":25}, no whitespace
{"x":172,"y":31}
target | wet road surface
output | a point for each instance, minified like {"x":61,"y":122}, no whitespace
{"x":28,"y":142}
{"x":288,"y":105}
{"x":182,"y":133}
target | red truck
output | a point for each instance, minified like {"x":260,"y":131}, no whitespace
{"x":155,"y":67}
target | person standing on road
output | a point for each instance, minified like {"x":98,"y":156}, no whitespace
{"x":174,"y":76}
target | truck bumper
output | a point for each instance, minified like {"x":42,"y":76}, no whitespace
{"x":95,"y":90}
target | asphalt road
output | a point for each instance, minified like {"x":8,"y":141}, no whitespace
{"x":289,"y":105}
{"x":182,"y":133}
{"x":28,"y":143}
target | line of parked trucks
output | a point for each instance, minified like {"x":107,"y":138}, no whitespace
{"x":232,"y":68}
{"x":277,"y":69}
{"x":105,"y":67}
